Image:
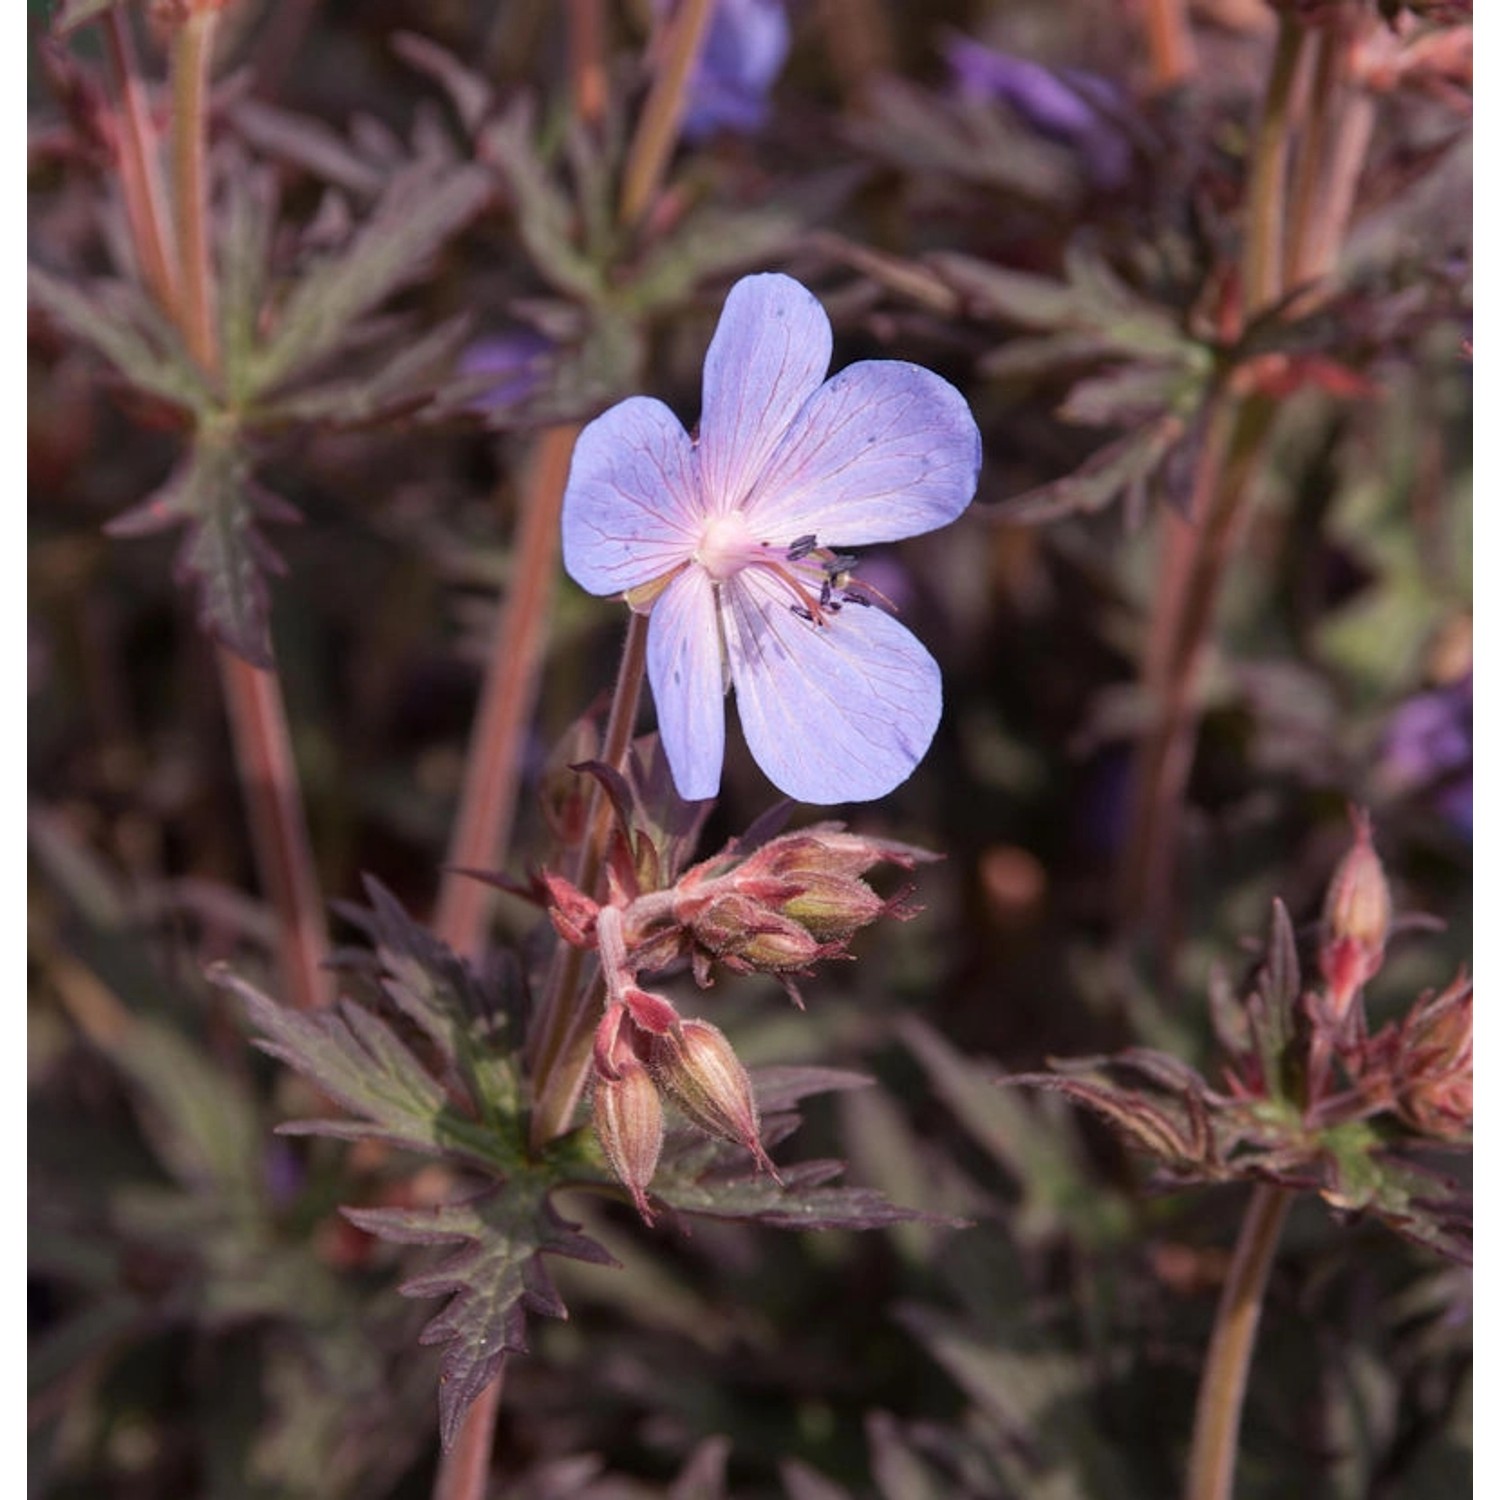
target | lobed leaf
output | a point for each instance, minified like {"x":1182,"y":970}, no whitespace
{"x":212,"y":493}
{"x":363,"y":1066}
{"x":496,"y":1277}
{"x":417,"y":212}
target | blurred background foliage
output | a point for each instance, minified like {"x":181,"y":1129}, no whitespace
{"x":1049,"y":232}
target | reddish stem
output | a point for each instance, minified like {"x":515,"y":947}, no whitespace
{"x":590,"y":80}
{"x":140,"y":167}
{"x":488,"y":803}
{"x":1169,"y":42}
{"x":192,"y":62}
{"x":278,"y":829}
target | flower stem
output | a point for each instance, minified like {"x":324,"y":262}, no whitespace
{"x":1221,"y":1392}
{"x":278,"y":828}
{"x":1169,"y":42}
{"x":560,"y":1059}
{"x":492,"y":773}
{"x":464,"y":1470}
{"x":192,"y":59}
{"x":140,"y":167}
{"x":661,"y":119}
{"x":253,"y":698}
{"x":1195,"y":554}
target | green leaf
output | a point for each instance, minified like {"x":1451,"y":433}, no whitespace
{"x":361,"y":1064}
{"x":399,"y":383}
{"x":1123,"y":466}
{"x":116,"y":322}
{"x":418,"y":211}
{"x":545,"y":216}
{"x":212,"y":493}
{"x":495,"y":1278}
{"x":469,"y":1019}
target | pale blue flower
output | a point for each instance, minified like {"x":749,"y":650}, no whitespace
{"x":743,"y":53}
{"x":732,"y":541}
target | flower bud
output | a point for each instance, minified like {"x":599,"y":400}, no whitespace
{"x":629,"y":1126}
{"x":1356,"y":920}
{"x":696,"y":1065}
{"x":833,"y":907}
{"x":749,"y":934}
{"x":1435,"y":1068}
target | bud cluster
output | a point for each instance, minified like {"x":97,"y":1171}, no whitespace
{"x":776,"y":909}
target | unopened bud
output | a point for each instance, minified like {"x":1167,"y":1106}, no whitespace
{"x":628,"y":1123}
{"x":833,"y":907}
{"x":828,"y":849}
{"x":573,"y":914}
{"x":1435,"y":1084}
{"x":696,"y":1065}
{"x":1356,"y":920}
{"x":749,"y":933}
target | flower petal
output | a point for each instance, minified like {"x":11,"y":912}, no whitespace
{"x":685,"y":664}
{"x":884,"y":450}
{"x":631,"y":510}
{"x":834,"y":713}
{"x":767,"y":356}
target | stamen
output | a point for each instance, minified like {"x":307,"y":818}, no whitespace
{"x":801,"y":547}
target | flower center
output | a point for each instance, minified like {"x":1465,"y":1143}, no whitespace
{"x":817,"y":581}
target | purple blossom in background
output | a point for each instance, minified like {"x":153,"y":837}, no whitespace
{"x":1429,"y":744}
{"x":742,"y":57}
{"x":1072,"y":106}
{"x":515,"y":359}
{"x":731,"y":541}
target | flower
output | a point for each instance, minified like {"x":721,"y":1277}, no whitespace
{"x":742,"y":56}
{"x":731,"y":543}
{"x":1429,"y":746}
{"x":1077,"y":108}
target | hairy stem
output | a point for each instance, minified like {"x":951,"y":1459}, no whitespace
{"x":1195,"y":554}
{"x":493,"y":768}
{"x":253,"y":699}
{"x":1221,"y":1391}
{"x":656,"y":134}
{"x":139,"y":164}
{"x":560,"y":1060}
{"x":278,"y":827}
{"x":192,"y":59}
{"x":1169,"y":42}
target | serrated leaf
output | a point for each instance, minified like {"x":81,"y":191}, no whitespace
{"x":361,"y":1064}
{"x":799,"y":1201}
{"x":417,"y":212}
{"x":495,"y":1278}
{"x":115,"y":322}
{"x":400,"y":383}
{"x":469,"y":1019}
{"x":711,"y":242}
{"x":1116,"y":468}
{"x":223,"y":555}
{"x":545,"y":216}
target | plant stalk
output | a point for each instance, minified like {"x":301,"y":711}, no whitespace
{"x":1169,"y":42}
{"x":464,"y":1468}
{"x":253,"y":698}
{"x":587,"y":73}
{"x":192,"y":61}
{"x":560,"y":1061}
{"x":140,"y":166}
{"x":1221,"y":1391}
{"x":487,"y":806}
{"x":661,"y":119}
{"x":1195,"y":557}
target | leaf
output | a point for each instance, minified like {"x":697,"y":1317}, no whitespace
{"x":417,"y":212}
{"x":363,"y":1066}
{"x":495,"y":1278}
{"x":1120,"y":466}
{"x":212,"y":493}
{"x":400,"y":382}
{"x":469,"y":1019}
{"x":799,"y":1201}
{"x":117,"y":323}
{"x":545,"y":216}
